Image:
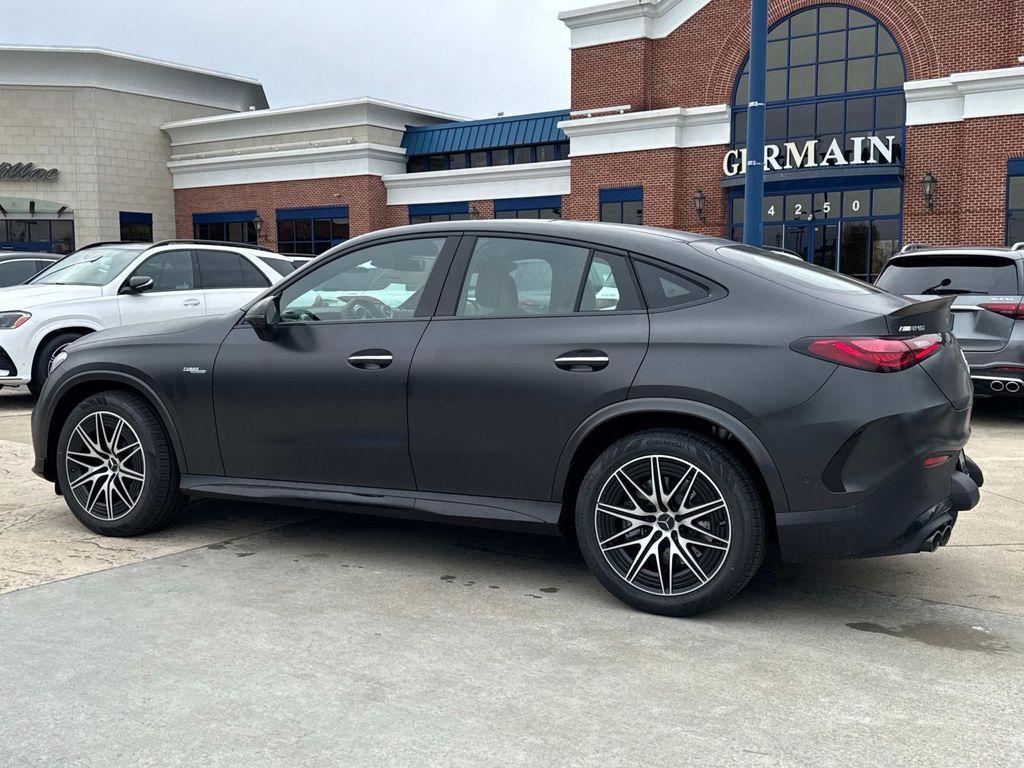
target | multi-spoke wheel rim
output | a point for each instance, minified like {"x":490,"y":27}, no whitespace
{"x":106,"y":466}
{"x":662,"y":525}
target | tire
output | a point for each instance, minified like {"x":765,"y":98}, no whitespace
{"x":41,"y":366}
{"x":709,"y":528}
{"x":121,"y":504}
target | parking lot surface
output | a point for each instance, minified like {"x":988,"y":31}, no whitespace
{"x":265,"y":636}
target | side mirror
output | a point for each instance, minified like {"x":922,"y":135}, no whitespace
{"x":138,"y":284}
{"x":264,"y":317}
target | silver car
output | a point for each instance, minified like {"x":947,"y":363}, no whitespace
{"x":988,"y":306}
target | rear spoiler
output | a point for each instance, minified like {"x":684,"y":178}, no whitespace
{"x":932,"y":316}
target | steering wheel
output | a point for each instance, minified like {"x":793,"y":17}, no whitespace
{"x":298,"y":314}
{"x":368,"y":308}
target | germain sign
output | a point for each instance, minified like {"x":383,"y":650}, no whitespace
{"x":866,"y":149}
{"x":27,"y":172}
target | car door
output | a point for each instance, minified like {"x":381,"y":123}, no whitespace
{"x":228,"y":279}
{"x":325,"y":400}
{"x":174,"y":294}
{"x":532,"y":336}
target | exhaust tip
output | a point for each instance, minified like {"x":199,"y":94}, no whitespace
{"x":946,"y":533}
{"x":997,"y":386}
{"x":1013,"y":386}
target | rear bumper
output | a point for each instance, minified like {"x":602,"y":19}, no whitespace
{"x":885,"y":523}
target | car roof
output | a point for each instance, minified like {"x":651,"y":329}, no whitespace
{"x":1015,"y":252}
{"x":623,"y":236}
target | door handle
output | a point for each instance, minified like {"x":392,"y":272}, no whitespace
{"x":582,"y":360}
{"x":190,"y":303}
{"x":371,"y":359}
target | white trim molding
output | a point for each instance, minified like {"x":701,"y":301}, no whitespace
{"x":627,"y":20}
{"x":311,"y":117}
{"x":675,"y":127}
{"x":491,"y":183}
{"x":963,"y":95}
{"x":82,"y":67}
{"x":288,"y":165}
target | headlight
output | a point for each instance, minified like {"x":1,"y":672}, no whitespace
{"x":13,"y":319}
{"x":57,"y":359}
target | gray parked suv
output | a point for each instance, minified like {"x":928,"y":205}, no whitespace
{"x":988,"y":311}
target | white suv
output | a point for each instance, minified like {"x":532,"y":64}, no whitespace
{"x":111,"y":284}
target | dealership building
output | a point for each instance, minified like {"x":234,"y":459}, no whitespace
{"x":887,"y":123}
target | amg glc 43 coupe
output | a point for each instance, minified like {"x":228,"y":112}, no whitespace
{"x":678,"y":403}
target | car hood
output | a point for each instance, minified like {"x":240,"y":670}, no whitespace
{"x":187,"y":329}
{"x":38,"y":294}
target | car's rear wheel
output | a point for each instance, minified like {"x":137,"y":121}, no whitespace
{"x":670,"y":522}
{"x":44,"y":359}
{"x":116,"y":466}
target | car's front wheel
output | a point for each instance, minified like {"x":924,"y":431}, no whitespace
{"x":670,"y":522}
{"x":116,"y":466}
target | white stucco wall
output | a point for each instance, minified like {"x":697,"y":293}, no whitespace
{"x":107,"y":145}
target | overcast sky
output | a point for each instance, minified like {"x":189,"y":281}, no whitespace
{"x":469,"y":57}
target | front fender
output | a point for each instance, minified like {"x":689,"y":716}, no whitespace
{"x":57,"y":389}
{"x":648,"y":405}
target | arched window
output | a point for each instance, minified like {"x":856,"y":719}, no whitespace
{"x":834,"y":74}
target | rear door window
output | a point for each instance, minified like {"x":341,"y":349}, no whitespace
{"x":224,"y":269}
{"x":16,"y":271}
{"x":510,"y":276}
{"x":950,"y":275}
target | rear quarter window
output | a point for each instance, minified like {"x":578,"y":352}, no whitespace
{"x":917,"y":275}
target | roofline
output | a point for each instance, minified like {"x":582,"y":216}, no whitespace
{"x":487,"y":120}
{"x":363,"y":100}
{"x":128,"y":57}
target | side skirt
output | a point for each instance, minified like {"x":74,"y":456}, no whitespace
{"x":516,"y":514}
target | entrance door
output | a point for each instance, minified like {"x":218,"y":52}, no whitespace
{"x":817,"y":243}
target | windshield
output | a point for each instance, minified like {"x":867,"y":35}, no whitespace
{"x":950,"y":276}
{"x":91,"y":266}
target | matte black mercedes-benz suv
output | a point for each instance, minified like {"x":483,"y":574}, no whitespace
{"x":679,"y":402}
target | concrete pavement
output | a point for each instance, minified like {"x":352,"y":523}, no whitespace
{"x":271,"y":637}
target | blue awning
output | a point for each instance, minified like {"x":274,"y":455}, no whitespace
{"x":464,"y":136}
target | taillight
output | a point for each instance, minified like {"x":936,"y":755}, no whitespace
{"x":1012,"y":309}
{"x":880,"y":354}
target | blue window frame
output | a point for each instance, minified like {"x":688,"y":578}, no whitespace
{"x":1015,"y":201}
{"x":311,"y":231}
{"x":421,"y":214}
{"x":623,"y":205}
{"x":44,"y":235}
{"x":527,"y":153}
{"x":833,"y":73}
{"x":136,"y":227}
{"x":548,"y":207}
{"x":226,"y":226}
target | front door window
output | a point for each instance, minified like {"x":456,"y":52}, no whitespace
{"x":381,"y":282}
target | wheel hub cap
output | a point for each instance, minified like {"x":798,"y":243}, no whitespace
{"x":663,"y":525}
{"x":106,"y":466}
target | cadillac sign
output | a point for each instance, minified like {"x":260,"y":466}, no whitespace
{"x":866,"y":149}
{"x":27,"y":172}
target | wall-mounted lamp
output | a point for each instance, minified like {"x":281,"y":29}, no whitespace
{"x":258,"y":224}
{"x":698,"y":204}
{"x":928,"y":184}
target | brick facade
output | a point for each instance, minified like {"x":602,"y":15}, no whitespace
{"x":365,"y":197}
{"x":698,"y":64}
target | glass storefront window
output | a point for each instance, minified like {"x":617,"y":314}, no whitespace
{"x":1015,"y":202}
{"x":311,"y":231}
